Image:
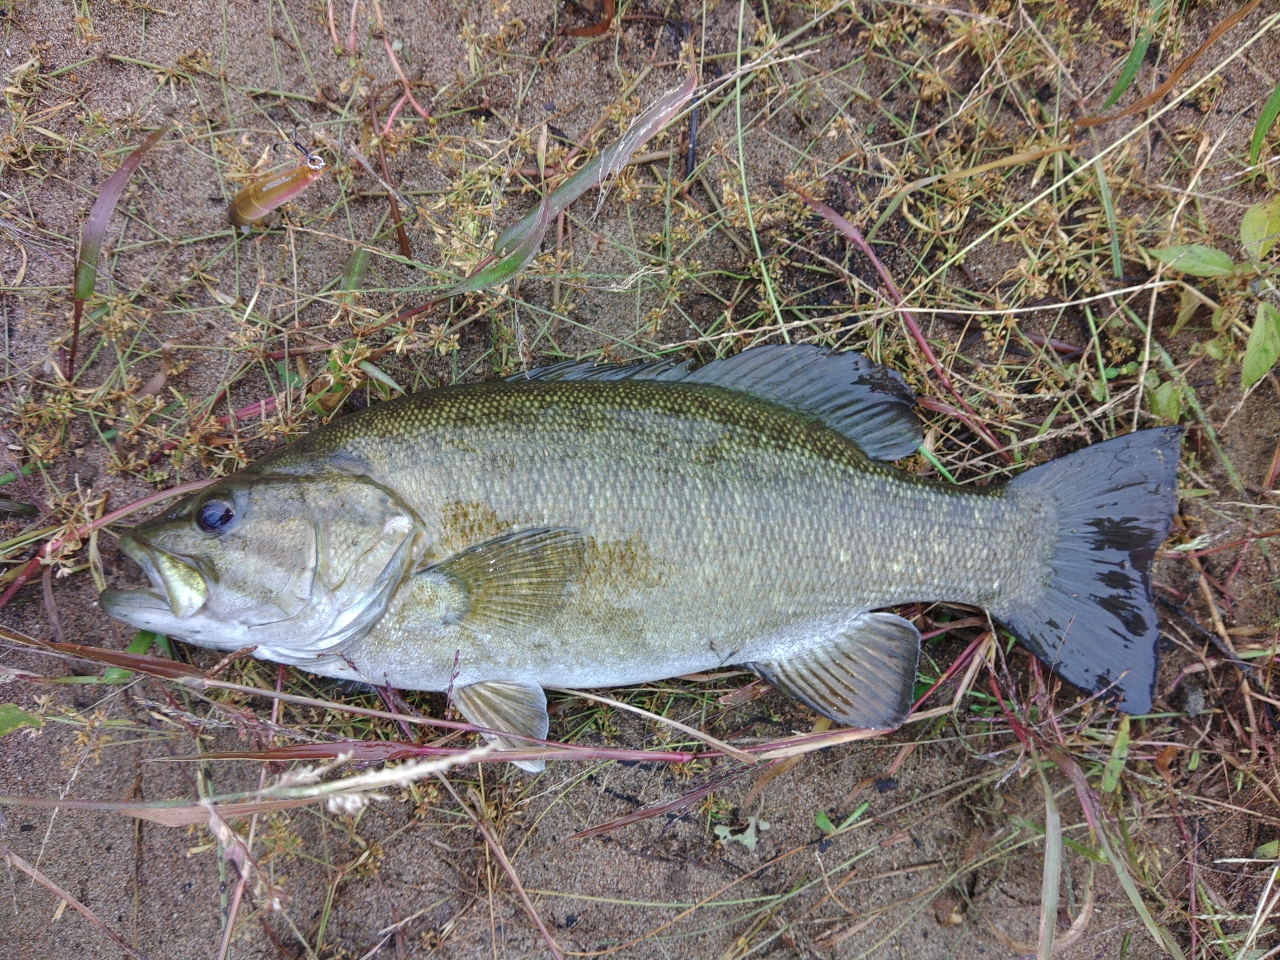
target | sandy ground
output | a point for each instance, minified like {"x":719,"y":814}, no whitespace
{"x":947,"y":865}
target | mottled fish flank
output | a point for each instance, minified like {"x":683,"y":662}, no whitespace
{"x":588,"y":526}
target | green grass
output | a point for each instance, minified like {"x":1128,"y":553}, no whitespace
{"x":884,"y":112}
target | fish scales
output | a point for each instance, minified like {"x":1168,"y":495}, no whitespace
{"x":597,"y":526}
{"x":759,"y":529}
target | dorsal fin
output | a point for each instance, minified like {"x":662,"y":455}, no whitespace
{"x":662,"y":371}
{"x":867,"y":403}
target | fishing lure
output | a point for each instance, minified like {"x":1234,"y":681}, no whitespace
{"x":262,"y":196}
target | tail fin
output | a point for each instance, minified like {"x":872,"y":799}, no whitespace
{"x":1094,"y":622}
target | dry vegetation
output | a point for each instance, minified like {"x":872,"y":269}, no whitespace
{"x":898,"y":178}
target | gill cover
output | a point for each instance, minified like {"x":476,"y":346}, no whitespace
{"x":298,"y":566}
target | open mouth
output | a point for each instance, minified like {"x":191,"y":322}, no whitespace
{"x":175,"y":584}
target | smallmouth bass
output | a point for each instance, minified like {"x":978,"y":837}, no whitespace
{"x":587,"y":526}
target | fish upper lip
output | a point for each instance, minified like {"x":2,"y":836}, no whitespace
{"x":139,"y":551}
{"x":143,"y":553}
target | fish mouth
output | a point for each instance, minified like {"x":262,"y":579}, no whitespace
{"x":175,"y":585}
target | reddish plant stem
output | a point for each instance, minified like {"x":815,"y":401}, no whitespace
{"x":937,"y":406}
{"x":395,"y":111}
{"x":952,"y":670}
{"x":597,"y":28}
{"x":852,"y":234}
{"x":80,"y":533}
{"x":403,"y":237}
{"x":395,"y":63}
{"x":69,"y":366}
{"x":1057,"y":346}
{"x":351,"y":33}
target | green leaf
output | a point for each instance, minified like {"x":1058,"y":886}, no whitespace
{"x":378,"y":374}
{"x":1131,"y":67}
{"x":1195,"y":259}
{"x":1119,"y":753}
{"x":288,"y":376}
{"x":354,"y":270}
{"x":1263,"y":348}
{"x":521,"y":254}
{"x":1133,"y":62}
{"x":1188,"y":304}
{"x":1270,"y":110}
{"x":1268,"y":851}
{"x":1165,"y":401}
{"x":1260,"y":227}
{"x":12,"y":717}
{"x":140,"y":644}
{"x":824,"y":823}
{"x":856,"y":815}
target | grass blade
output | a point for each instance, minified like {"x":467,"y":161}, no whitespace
{"x":1053,"y":852}
{"x":1119,"y":753}
{"x":519,"y":257}
{"x":1270,"y":110}
{"x":1130,"y":69}
{"x":95,"y":228}
{"x":1093,"y":814}
{"x":1117,"y":269}
{"x":607,"y":163}
{"x":1134,"y":61}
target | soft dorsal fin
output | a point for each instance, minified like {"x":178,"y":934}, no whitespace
{"x":865,"y":402}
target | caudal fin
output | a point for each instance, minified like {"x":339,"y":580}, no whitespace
{"x":1094,"y":622}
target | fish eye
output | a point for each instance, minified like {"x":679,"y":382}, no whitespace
{"x":214,"y":515}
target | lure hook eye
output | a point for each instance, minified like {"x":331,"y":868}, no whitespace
{"x":313,"y":160}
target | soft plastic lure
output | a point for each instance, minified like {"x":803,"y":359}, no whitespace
{"x":262,"y":196}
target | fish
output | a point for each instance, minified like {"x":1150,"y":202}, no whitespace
{"x":584,"y":525}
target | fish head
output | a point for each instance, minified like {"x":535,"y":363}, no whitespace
{"x":298,"y":566}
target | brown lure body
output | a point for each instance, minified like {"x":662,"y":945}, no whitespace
{"x":259,"y":198}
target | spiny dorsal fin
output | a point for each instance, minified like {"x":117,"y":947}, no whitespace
{"x":662,"y":371}
{"x":514,"y":580}
{"x":867,"y":403}
{"x":864,"y":678}
{"x":506,"y":705}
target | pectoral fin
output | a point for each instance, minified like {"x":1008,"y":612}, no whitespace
{"x":863,"y":678}
{"x":504,"y":705}
{"x":514,"y":580}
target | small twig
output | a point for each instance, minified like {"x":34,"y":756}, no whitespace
{"x":51,"y":605}
{"x":359,"y":158}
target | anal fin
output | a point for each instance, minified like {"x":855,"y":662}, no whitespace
{"x":519,"y":708}
{"x":865,"y":677}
